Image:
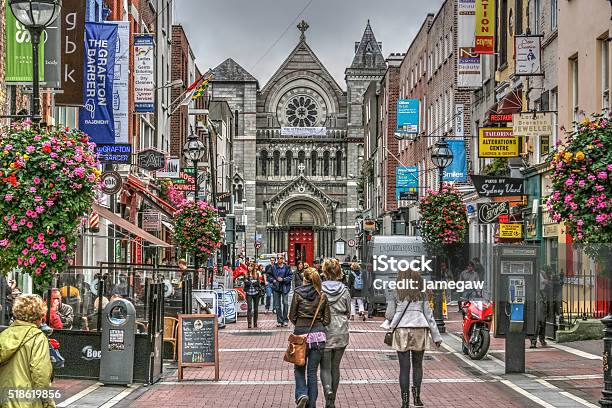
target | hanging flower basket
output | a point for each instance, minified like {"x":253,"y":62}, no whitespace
{"x":197,"y":228}
{"x":48,"y":180}
{"x":443,"y":217}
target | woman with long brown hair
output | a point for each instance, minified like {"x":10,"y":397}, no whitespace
{"x":254,"y":288}
{"x":310,"y":315}
{"x":411,"y":319}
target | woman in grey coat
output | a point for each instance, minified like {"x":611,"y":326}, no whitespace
{"x":339,"y":299}
{"x":411,"y":320}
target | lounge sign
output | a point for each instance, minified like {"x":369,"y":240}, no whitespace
{"x":491,"y":186}
{"x":489,"y":213}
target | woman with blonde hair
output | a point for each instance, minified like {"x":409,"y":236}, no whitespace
{"x":25,"y":363}
{"x":310,"y":314}
{"x":411,"y":320}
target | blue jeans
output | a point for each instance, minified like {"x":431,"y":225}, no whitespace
{"x":306,"y":376}
{"x":281,"y":314}
{"x":268,"y":297}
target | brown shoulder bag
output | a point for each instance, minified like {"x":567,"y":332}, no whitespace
{"x":296,"y":350}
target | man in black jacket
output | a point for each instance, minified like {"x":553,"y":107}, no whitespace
{"x":280,"y":277}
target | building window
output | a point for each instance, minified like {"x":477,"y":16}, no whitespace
{"x":264,"y":162}
{"x":313,"y":162}
{"x":301,"y":156}
{"x":605,"y":74}
{"x":276,"y":158}
{"x":574,"y":73}
{"x":326,"y":163}
{"x":289,"y":159}
{"x":339,"y":163}
{"x":553,"y":103}
{"x":553,"y":15}
{"x":536,"y":17}
{"x":503,"y":32}
{"x":519,"y":17}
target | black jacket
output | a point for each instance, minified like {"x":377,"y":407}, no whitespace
{"x":298,"y":278}
{"x":303,"y":307}
{"x":250,"y":282}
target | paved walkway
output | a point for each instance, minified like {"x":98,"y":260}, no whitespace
{"x":253,"y":374}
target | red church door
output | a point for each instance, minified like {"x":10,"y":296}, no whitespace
{"x":301,"y":245}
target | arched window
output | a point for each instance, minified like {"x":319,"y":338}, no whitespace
{"x":301,"y":156}
{"x":276,"y":158}
{"x":264,"y":162}
{"x":326,"y":163}
{"x":313,"y":162}
{"x":339,"y":163}
{"x":289,"y":158}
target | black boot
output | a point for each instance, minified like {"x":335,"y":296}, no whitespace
{"x":329,"y":400}
{"x":405,"y":400}
{"x":416,"y":396}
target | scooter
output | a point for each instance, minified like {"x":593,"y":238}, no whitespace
{"x":477,"y":317}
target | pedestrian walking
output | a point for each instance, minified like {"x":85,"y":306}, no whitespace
{"x":355,"y":281}
{"x":542,"y":301}
{"x":411,"y":322}
{"x":339,"y":299}
{"x":25,"y":363}
{"x":280,"y":277}
{"x":253,"y":287}
{"x":310,"y":314}
{"x":298,"y":275}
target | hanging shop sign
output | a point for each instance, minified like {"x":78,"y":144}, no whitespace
{"x":457,"y":170}
{"x":150,"y":159}
{"x":73,"y":51}
{"x":144,"y":74}
{"x":500,"y":117}
{"x":120,"y":83}
{"x":491,"y":186}
{"x":19,"y":52}
{"x":369,"y":224}
{"x":407,"y":182}
{"x":171,"y":168}
{"x":485,"y":27}
{"x":111,"y":182}
{"x":52,"y":40}
{"x":459,"y":119}
{"x":313,"y":131}
{"x":469,"y":71}
{"x":528,"y":124}
{"x":408,"y":116}
{"x":497,"y":142}
{"x":511,"y":231}
{"x":96,"y":116}
{"x":489,"y":213}
{"x":185,"y":182}
{"x":120,"y":153}
{"x":528,"y":55}
{"x":151,"y":220}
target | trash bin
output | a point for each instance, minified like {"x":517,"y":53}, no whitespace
{"x":118,"y":338}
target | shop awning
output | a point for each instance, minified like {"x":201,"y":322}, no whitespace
{"x":151,"y":198}
{"x":511,"y":103}
{"x":128,"y":226}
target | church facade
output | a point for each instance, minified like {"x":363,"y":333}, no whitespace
{"x":298,"y":150}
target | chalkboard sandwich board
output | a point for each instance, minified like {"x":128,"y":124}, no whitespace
{"x":198,"y":342}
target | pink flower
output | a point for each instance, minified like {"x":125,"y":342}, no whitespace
{"x":8,"y":197}
{"x":30,"y":149}
{"x":591,"y":177}
{"x":569,"y":182}
{"x":54,"y":244}
{"x":609,"y":167}
{"x":41,"y":236}
{"x":38,"y":271}
{"x":40,"y":209}
{"x":580,"y":222}
{"x":32,"y":189}
{"x":581,"y":183}
{"x":53,"y":256}
{"x":29,"y":240}
{"x":601,"y":217}
{"x":32,"y":259}
{"x":599,"y":187}
{"x":49,"y":203}
{"x":4,"y":242}
{"x":63,"y":248}
{"x":36,"y":180}
{"x":29,"y":224}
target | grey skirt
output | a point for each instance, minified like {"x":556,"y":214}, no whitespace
{"x":410,"y":338}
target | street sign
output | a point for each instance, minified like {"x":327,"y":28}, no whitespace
{"x":257,"y":245}
{"x":240,"y":228}
{"x":511,"y":231}
{"x":351,"y":243}
{"x":118,"y":153}
{"x":151,"y":220}
{"x":111,"y":182}
{"x":151,"y":159}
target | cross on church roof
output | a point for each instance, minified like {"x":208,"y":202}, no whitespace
{"x":303,"y":26}
{"x":301,"y":168}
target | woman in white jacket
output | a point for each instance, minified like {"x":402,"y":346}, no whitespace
{"x":410,"y":318}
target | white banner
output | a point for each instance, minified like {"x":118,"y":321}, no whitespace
{"x":469,"y":74}
{"x":303,"y":131}
{"x":120,"y":82}
{"x":151,"y":220}
{"x":527,"y":52}
{"x":144,"y":78}
{"x":459,"y":120}
{"x":171,"y":169}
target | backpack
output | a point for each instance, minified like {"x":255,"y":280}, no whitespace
{"x":357,"y":281}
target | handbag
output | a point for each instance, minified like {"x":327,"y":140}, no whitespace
{"x":296,"y":351}
{"x":389,"y":335}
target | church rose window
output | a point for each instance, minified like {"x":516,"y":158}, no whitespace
{"x":301,"y":107}
{"x":302,"y":111}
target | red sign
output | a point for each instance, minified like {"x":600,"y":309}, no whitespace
{"x":500,"y":117}
{"x":504,"y":219}
{"x":185,"y":182}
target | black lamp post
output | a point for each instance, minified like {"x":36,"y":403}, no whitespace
{"x":193,"y":151}
{"x":441,"y":157}
{"x":35,"y":15}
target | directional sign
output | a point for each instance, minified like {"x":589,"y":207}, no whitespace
{"x":257,"y":245}
{"x":351,"y":243}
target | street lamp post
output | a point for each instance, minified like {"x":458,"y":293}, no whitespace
{"x":193,"y":151}
{"x":35,"y":15}
{"x":441,"y":157}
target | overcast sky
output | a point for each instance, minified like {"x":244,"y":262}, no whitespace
{"x":246,"y":29}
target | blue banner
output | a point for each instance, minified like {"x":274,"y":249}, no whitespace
{"x":457,"y":171}
{"x":408,"y":116}
{"x":96,"y":116}
{"x":406,"y":181}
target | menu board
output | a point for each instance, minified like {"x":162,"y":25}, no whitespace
{"x":198,"y":342}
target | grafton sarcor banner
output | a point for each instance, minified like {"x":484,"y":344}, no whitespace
{"x":497,"y":142}
{"x":532,"y":125}
{"x":144,"y":78}
{"x":485,"y":27}
{"x":468,"y":61}
{"x":491,"y":186}
{"x":527,"y":54}
{"x":488,"y":213}
{"x":73,"y":51}
{"x":96,"y":116}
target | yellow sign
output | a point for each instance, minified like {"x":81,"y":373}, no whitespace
{"x":511,"y":231}
{"x":497,"y":142}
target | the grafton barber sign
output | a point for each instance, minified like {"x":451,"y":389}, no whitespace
{"x":489,"y":212}
{"x":491,"y":186}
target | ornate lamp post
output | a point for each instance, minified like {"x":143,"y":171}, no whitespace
{"x":194,"y":150}
{"x":35,"y":15}
{"x":441,"y":157}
